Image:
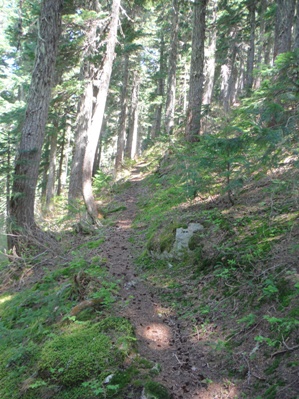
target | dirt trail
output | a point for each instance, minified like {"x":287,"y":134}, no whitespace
{"x":160,"y":338}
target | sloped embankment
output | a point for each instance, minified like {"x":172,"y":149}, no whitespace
{"x":236,"y":290}
{"x":219,"y":322}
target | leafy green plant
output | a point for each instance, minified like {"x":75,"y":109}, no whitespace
{"x":283,"y":325}
{"x":269,"y":341}
{"x":270,"y":290}
{"x":102,"y":181}
{"x":249,"y":320}
{"x":100,"y":389}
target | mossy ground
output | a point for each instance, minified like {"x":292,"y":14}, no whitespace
{"x":46,"y":352}
{"x":238,"y":288}
{"x":237,"y":292}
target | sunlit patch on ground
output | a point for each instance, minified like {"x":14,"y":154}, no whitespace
{"x":223,"y":390}
{"x":5,"y":298}
{"x":124,"y":224}
{"x":158,"y":335}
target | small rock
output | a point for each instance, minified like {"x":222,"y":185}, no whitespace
{"x":181,"y":243}
{"x":182,"y":236}
{"x":108,"y":379}
{"x":130,"y":284}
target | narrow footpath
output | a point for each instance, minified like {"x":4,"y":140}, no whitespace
{"x":161,"y":337}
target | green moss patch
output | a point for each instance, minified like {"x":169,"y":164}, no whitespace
{"x":154,"y":390}
{"x":76,"y":355}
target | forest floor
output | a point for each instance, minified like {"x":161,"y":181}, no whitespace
{"x":161,"y":336}
{"x":221,"y":323}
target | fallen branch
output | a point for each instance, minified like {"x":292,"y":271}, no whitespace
{"x":89,"y":303}
{"x":288,"y":349}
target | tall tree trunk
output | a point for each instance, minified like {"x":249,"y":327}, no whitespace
{"x":262,"y":41}
{"x":211,"y":58}
{"x":233,"y":79}
{"x":251,"y":49}
{"x":98,"y":154}
{"x":52,"y":171}
{"x":64,"y":157}
{"x":185,"y":88}
{"x":283,"y":26}
{"x":228,"y":75}
{"x":45,"y":167}
{"x":240,"y":77}
{"x":139,"y":135}
{"x":157,"y":121}
{"x":131,"y":148}
{"x":97,"y":157}
{"x":172,"y":66}
{"x":97,"y":118}
{"x":123,"y":115}
{"x":136,"y":141}
{"x":60,"y":165}
{"x":196,"y":72}
{"x":32,"y":136}
{"x":8,"y":188}
{"x":82,"y":127}
{"x":85,"y":107}
{"x":296,"y":29}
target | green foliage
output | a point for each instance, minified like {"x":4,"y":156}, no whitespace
{"x":102,"y":181}
{"x":42,"y":348}
{"x":269,"y":116}
{"x":269,"y":290}
{"x":283,"y":325}
{"x":94,"y":244}
{"x":154,"y":390}
{"x":79,"y":353}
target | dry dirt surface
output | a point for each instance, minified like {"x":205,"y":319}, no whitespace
{"x":161,"y":336}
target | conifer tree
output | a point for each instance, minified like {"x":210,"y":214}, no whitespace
{"x":285,"y":10}
{"x":32,"y":137}
{"x":123,"y":114}
{"x":210,"y":56}
{"x":172,"y":67}
{"x":197,"y":71}
{"x":101,"y":81}
{"x":93,"y":24}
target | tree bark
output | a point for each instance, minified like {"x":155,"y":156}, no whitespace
{"x":296,"y":29}
{"x":97,"y":157}
{"x":64,"y":158}
{"x":131,"y":148}
{"x":123,"y":116}
{"x":172,"y":66}
{"x":211,"y":58}
{"x":262,"y":41}
{"x":251,"y":49}
{"x":8,"y":187}
{"x":157,"y":120}
{"x":52,"y":171}
{"x":97,"y":118}
{"x":185,"y":88}
{"x":228,"y":75}
{"x":283,"y":26}
{"x":196,"y":72}
{"x":82,"y":127}
{"x":85,"y":107}
{"x":32,"y":136}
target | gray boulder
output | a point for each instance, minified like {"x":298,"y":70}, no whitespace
{"x":181,"y":242}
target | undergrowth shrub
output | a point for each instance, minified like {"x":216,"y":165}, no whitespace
{"x":102,"y":181}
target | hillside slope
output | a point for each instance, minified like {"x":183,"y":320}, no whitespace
{"x":101,"y":314}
